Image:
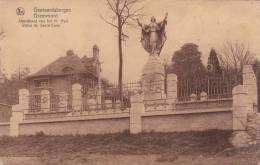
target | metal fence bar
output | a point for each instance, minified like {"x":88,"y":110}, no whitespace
{"x":216,"y":87}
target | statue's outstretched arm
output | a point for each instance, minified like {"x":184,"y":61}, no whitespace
{"x":143,"y":26}
{"x":166,"y":15}
{"x":139,"y":23}
{"x":164,"y":22}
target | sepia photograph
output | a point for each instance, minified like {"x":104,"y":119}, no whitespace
{"x":129,"y":82}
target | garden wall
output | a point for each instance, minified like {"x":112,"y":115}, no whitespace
{"x":188,"y":122}
{"x":99,"y":124}
{"x":4,"y":128}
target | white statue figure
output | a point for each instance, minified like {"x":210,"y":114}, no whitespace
{"x":153,"y":35}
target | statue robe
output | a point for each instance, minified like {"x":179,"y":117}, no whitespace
{"x":147,"y":36}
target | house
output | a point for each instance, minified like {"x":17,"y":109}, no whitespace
{"x":57,"y":77}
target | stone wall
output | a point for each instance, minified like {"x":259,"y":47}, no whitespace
{"x":5,"y":112}
{"x":192,"y":116}
{"x":188,"y":122}
{"x":160,"y":122}
{"x":82,"y":127}
{"x":4,"y":128}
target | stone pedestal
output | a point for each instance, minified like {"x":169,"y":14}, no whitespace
{"x":153,"y":79}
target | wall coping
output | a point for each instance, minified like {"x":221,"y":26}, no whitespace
{"x":205,"y":101}
{"x":4,"y":123}
{"x":5,"y":104}
{"x":78,"y":118}
{"x":183,"y":112}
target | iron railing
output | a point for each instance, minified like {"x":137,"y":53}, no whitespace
{"x":211,"y":87}
{"x":205,"y":88}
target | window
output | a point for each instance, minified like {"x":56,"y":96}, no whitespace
{"x":67,"y":69}
{"x":41,"y":83}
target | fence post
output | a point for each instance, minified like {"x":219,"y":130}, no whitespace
{"x":137,"y":108}
{"x":45,"y":100}
{"x":24,"y":100}
{"x":63,"y":101}
{"x":249,"y":81}
{"x":242,"y":106}
{"x":16,"y":118}
{"x":76,"y":97}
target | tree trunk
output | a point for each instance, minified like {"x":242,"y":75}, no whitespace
{"x":120,"y":71}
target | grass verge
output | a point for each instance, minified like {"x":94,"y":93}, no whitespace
{"x":206,"y":142}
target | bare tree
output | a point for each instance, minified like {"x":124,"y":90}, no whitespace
{"x":2,"y":36}
{"x":124,"y":13}
{"x":234,"y":55}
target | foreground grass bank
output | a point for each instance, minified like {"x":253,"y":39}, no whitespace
{"x":210,"y":142}
{"x":198,"y":148}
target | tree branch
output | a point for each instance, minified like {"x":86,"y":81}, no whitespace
{"x":110,"y":23}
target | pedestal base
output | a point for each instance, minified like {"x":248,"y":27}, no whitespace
{"x":153,"y":79}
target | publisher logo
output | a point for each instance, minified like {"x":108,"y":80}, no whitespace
{"x":20,"y":11}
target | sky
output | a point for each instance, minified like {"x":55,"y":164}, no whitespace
{"x":205,"y":23}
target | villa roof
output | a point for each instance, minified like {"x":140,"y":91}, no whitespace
{"x":70,"y":63}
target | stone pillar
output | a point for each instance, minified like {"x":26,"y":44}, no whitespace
{"x":63,"y":101}
{"x":258,"y":128}
{"x":251,"y":127}
{"x":171,"y":86}
{"x":24,"y":100}
{"x":193,"y":97}
{"x":203,"y":96}
{"x":92,"y":104}
{"x":76,"y":97}
{"x":118,"y":104}
{"x":242,"y":105}
{"x":153,"y":79}
{"x":45,"y":100}
{"x":136,"y":111}
{"x":250,"y":82}
{"x":108,"y":104}
{"x":16,"y":119}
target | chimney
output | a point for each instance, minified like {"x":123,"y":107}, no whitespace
{"x":95,"y":52}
